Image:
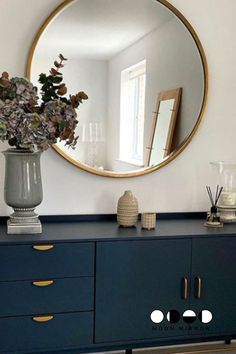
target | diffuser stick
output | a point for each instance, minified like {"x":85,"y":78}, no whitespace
{"x":218,"y":196}
{"x":210,"y":195}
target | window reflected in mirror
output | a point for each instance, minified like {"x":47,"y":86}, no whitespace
{"x":132,"y":112}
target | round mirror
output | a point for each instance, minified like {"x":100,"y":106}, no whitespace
{"x":144,"y":70}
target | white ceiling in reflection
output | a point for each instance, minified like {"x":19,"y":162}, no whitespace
{"x":100,"y":29}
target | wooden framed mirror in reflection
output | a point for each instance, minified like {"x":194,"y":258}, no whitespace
{"x":164,"y":129}
{"x":122,"y":54}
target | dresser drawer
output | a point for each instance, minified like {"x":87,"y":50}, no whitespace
{"x":59,"y":261}
{"x":63,"y":295}
{"x":64,"y":331}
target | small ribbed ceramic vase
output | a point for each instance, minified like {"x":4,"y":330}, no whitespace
{"x":127,"y":210}
{"x":23,"y":190}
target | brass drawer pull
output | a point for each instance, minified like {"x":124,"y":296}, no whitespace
{"x":185,"y":288}
{"x":42,"y":318}
{"x":43,"y":247}
{"x":198,"y":287}
{"x":43,"y":283}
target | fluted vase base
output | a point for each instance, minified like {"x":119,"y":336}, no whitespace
{"x":24,"y":221}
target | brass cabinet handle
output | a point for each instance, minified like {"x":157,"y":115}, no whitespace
{"x":42,"y":318}
{"x":185,"y":288}
{"x":198,"y":287}
{"x":43,"y":283}
{"x":43,"y":247}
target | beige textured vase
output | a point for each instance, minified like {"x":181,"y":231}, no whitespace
{"x":148,"y":221}
{"x":127,"y":210}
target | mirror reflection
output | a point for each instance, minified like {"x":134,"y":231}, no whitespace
{"x":123,"y":54}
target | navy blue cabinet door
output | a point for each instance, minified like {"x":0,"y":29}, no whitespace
{"x":135,"y":278}
{"x":214,"y":283}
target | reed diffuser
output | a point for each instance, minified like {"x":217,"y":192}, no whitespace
{"x":213,"y":219}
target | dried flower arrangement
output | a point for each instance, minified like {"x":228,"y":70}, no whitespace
{"x":26,"y":122}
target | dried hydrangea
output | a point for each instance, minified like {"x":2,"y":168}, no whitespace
{"x":25,"y":123}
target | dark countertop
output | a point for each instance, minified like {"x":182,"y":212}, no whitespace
{"x":109,"y":230}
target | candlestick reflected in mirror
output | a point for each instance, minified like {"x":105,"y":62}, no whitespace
{"x":93,"y":139}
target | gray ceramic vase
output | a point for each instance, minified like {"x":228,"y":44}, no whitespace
{"x":23,"y":190}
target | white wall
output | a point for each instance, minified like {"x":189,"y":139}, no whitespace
{"x":180,"y":186}
{"x":172,"y":61}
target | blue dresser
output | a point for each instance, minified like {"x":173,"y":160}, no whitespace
{"x":92,"y":286}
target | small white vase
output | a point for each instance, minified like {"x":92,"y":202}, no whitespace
{"x":127,"y":210}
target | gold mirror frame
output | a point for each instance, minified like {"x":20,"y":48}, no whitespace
{"x":186,"y":141}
